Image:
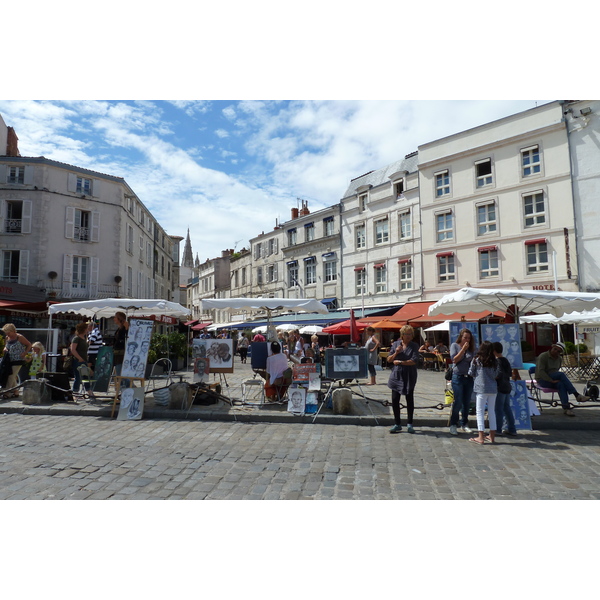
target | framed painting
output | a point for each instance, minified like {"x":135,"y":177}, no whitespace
{"x":346,"y":363}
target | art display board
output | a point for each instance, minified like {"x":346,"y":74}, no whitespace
{"x":201,"y":369}
{"x":346,"y":363}
{"x":218,"y":351}
{"x":456,"y":326}
{"x":137,"y":347}
{"x":132,"y":404}
{"x":259,"y":351}
{"x":519,"y":402}
{"x":296,"y":400}
{"x":509,"y":335}
{"x":311,"y":402}
{"x":302,"y":373}
{"x":103,"y":369}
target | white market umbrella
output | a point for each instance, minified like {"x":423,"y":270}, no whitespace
{"x":476,"y":299}
{"x":132,"y":307}
{"x":285,"y":327}
{"x":312,"y":330}
{"x":261,"y":329}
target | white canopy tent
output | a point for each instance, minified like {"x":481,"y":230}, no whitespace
{"x":443,"y":326}
{"x":476,"y":299}
{"x":107,"y":307}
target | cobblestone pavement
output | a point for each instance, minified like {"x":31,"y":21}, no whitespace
{"x":74,"y":457}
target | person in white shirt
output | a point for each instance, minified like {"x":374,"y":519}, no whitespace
{"x":277,"y":364}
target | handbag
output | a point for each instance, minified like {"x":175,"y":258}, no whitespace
{"x":448,"y":374}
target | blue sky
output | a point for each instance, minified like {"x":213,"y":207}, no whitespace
{"x":229,"y":169}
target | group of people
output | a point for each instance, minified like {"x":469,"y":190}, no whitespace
{"x":484,"y":371}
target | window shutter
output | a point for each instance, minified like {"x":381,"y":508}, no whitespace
{"x":72,"y":183}
{"x":95,"y":187}
{"x":28,"y":178}
{"x":95,"y":229}
{"x":275,"y":272}
{"x":259,"y":275}
{"x":70,"y":223}
{"x":140,"y":285}
{"x":276,"y":245}
{"x":23,"y":266}
{"x":67,"y":274}
{"x":3,"y":170}
{"x":94,"y":269}
{"x":2,"y":213}
{"x":26,"y":218}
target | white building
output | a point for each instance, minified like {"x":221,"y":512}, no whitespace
{"x":79,"y":234}
{"x":497,"y":206}
{"x":381,"y":237}
{"x":311,"y":261}
{"x":584,"y":143}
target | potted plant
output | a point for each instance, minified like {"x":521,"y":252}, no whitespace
{"x":178,"y":347}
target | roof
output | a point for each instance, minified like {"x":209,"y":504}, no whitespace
{"x":381,"y":176}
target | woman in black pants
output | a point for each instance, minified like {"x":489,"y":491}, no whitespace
{"x":405,"y":356}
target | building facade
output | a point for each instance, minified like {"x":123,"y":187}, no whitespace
{"x":78,"y":234}
{"x":381,"y":237}
{"x":497,"y":206}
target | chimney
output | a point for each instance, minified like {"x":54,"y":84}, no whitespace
{"x":304,"y":210}
{"x":294,"y":213}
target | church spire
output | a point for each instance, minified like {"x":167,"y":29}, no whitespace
{"x":188,"y":257}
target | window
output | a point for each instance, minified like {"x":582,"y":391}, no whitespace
{"x":273,"y":246}
{"x":272,"y":273}
{"x":141,"y":248}
{"x":488,"y":262}
{"x":446,"y":267}
{"x":380,"y":278}
{"x":361,"y":240}
{"x":486,"y":218}
{"x":444,"y":229}
{"x":148,"y":254}
{"x":129,"y":283}
{"x":129,"y":238}
{"x":84,"y":186}
{"x":10,"y":265}
{"x":535,"y":211}
{"x":362,"y":202}
{"x":292,"y":237}
{"x":243,"y":275}
{"x":80,"y":274}
{"x":530,"y":161}
{"x":309,"y":232}
{"x":330,"y":270}
{"x":399,"y":189}
{"x":236,"y":279}
{"x":405,"y":274}
{"x":259,"y":275}
{"x":328,"y":226}
{"x":16,"y":175}
{"x":442,"y":184}
{"x":405,"y":230}
{"x":537,"y":256}
{"x":361,"y":281}
{"x":311,"y":271}
{"x":293,"y":274}
{"x":483,"y":171}
{"x":82,"y":225}
{"x":14,"y":216}
{"x":382,"y":234}
{"x":162,"y":266}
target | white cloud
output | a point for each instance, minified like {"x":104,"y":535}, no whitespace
{"x":222,"y":133}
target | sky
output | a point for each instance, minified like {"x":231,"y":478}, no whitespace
{"x":228,"y":170}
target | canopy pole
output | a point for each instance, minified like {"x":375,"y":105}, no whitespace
{"x":558,"y":333}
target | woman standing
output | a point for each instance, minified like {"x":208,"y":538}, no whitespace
{"x":503,"y":409}
{"x":484,"y":370}
{"x":79,"y":348}
{"x":120,"y":320}
{"x":243,"y":348}
{"x":17,"y":347}
{"x":371,"y":345}
{"x":461,"y":354}
{"x":404,"y":355}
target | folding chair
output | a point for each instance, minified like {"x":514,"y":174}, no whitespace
{"x":85,"y":374}
{"x":536,"y":390}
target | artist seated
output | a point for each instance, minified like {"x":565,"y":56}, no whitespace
{"x":279,"y":375}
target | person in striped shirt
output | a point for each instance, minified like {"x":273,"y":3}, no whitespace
{"x":94,"y":339}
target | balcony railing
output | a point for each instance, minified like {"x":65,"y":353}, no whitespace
{"x":13,"y":225}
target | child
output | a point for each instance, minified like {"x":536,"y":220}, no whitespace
{"x":484,"y":370}
{"x":38,"y":359}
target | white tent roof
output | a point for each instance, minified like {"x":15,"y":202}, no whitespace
{"x":132,"y":307}
{"x":443,"y":326}
{"x":586,"y":317}
{"x":477,"y":299}
{"x":299,"y":305}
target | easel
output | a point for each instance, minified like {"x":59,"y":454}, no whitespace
{"x":117,"y":379}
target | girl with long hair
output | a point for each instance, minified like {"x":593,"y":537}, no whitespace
{"x":484,"y":370}
{"x":461,"y":355}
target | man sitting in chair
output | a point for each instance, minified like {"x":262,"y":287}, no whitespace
{"x":279,"y":374}
{"x":548,"y":375}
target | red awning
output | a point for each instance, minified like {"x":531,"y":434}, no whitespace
{"x":190,"y":323}
{"x":359,"y":268}
{"x":444,"y":254}
{"x":470,"y":316}
{"x":410,"y":311}
{"x":487,"y":248}
{"x":403,"y":261}
{"x":379,"y":265}
{"x":200,"y":326}
{"x":536,"y":241}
